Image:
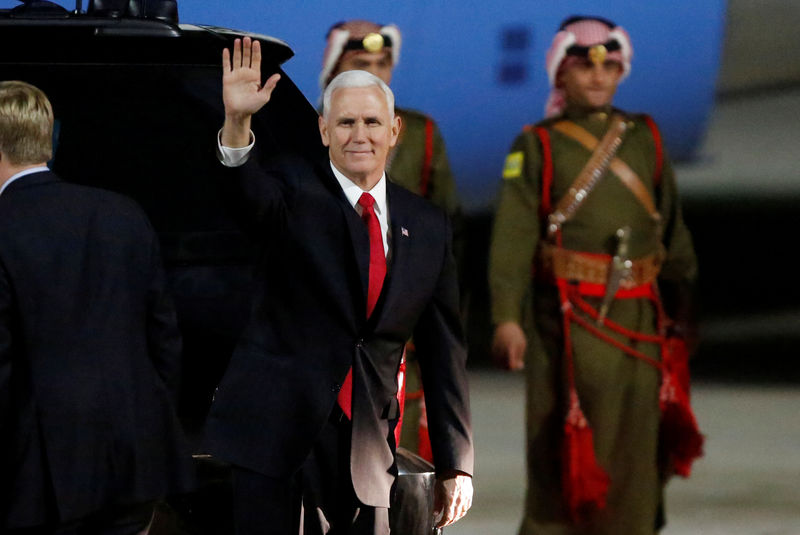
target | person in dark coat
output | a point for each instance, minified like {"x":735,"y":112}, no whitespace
{"x":354,"y":266}
{"x":418,"y":162}
{"x":89,"y":346}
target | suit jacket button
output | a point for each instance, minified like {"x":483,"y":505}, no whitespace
{"x":335,"y":387}
{"x":360,"y":343}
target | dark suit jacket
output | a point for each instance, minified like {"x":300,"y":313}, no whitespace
{"x":89,"y":355}
{"x":309,"y":326}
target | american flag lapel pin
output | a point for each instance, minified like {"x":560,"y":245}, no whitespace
{"x":404,"y":231}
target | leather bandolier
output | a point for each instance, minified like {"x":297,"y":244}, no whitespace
{"x":578,"y":275}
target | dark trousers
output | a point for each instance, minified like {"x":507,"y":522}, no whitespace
{"x":117,"y":520}
{"x":318,"y":500}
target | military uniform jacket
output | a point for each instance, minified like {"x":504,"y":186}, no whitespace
{"x":419,"y":161}
{"x":518,"y":225}
{"x":309,"y":327}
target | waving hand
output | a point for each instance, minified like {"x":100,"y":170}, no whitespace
{"x":242,"y":92}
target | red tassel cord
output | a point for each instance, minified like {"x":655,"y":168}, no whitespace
{"x":679,"y":435}
{"x":585,"y":483}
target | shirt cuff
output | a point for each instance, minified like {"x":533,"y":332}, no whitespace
{"x":234,"y":157}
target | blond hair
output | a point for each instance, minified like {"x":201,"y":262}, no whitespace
{"x":26,"y":123}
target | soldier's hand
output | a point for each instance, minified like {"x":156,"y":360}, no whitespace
{"x":508,"y":346}
{"x":452,"y":498}
{"x":242,"y":92}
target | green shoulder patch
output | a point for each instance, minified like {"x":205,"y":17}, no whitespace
{"x":513,"y":165}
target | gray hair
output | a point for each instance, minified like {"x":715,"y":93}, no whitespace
{"x":356,"y":79}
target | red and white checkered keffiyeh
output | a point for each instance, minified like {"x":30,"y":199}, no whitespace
{"x":585,"y":32}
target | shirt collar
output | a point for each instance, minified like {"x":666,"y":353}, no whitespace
{"x":21,"y":174}
{"x":353,"y":192}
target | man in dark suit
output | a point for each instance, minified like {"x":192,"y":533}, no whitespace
{"x":89,"y":347}
{"x":354,"y":266}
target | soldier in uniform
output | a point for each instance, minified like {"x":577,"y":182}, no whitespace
{"x":418,"y":163}
{"x":591,"y":267}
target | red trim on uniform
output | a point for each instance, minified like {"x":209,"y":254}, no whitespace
{"x":424,"y":182}
{"x":659,"y":149}
{"x":401,"y":397}
{"x":599,"y":290}
{"x":547,"y":171}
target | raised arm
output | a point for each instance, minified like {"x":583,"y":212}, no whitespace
{"x":242,"y":92}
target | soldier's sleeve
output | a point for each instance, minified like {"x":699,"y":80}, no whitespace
{"x":515,"y":231}
{"x":679,"y":272}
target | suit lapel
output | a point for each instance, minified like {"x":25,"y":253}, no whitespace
{"x":400,"y":223}
{"x":357,"y":230}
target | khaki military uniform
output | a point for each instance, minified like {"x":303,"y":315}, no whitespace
{"x":618,"y":393}
{"x":419,"y":163}
{"x":407,"y":162}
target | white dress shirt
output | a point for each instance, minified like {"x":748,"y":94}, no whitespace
{"x":353,"y":192}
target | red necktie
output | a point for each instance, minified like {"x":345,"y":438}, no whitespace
{"x":377,"y":272}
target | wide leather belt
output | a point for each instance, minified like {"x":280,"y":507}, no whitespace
{"x":556,"y":262}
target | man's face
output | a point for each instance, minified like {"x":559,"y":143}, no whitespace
{"x":377,"y":63}
{"x":359,"y":132}
{"x":589,"y":84}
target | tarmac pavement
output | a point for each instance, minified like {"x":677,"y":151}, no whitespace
{"x":748,"y":482}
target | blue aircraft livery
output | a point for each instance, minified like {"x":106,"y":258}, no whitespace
{"x":477,"y":67}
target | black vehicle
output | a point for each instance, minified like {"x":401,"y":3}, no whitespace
{"x":138,"y":104}
{"x":137,"y":101}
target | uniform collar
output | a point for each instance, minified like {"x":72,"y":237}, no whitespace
{"x":575,"y":112}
